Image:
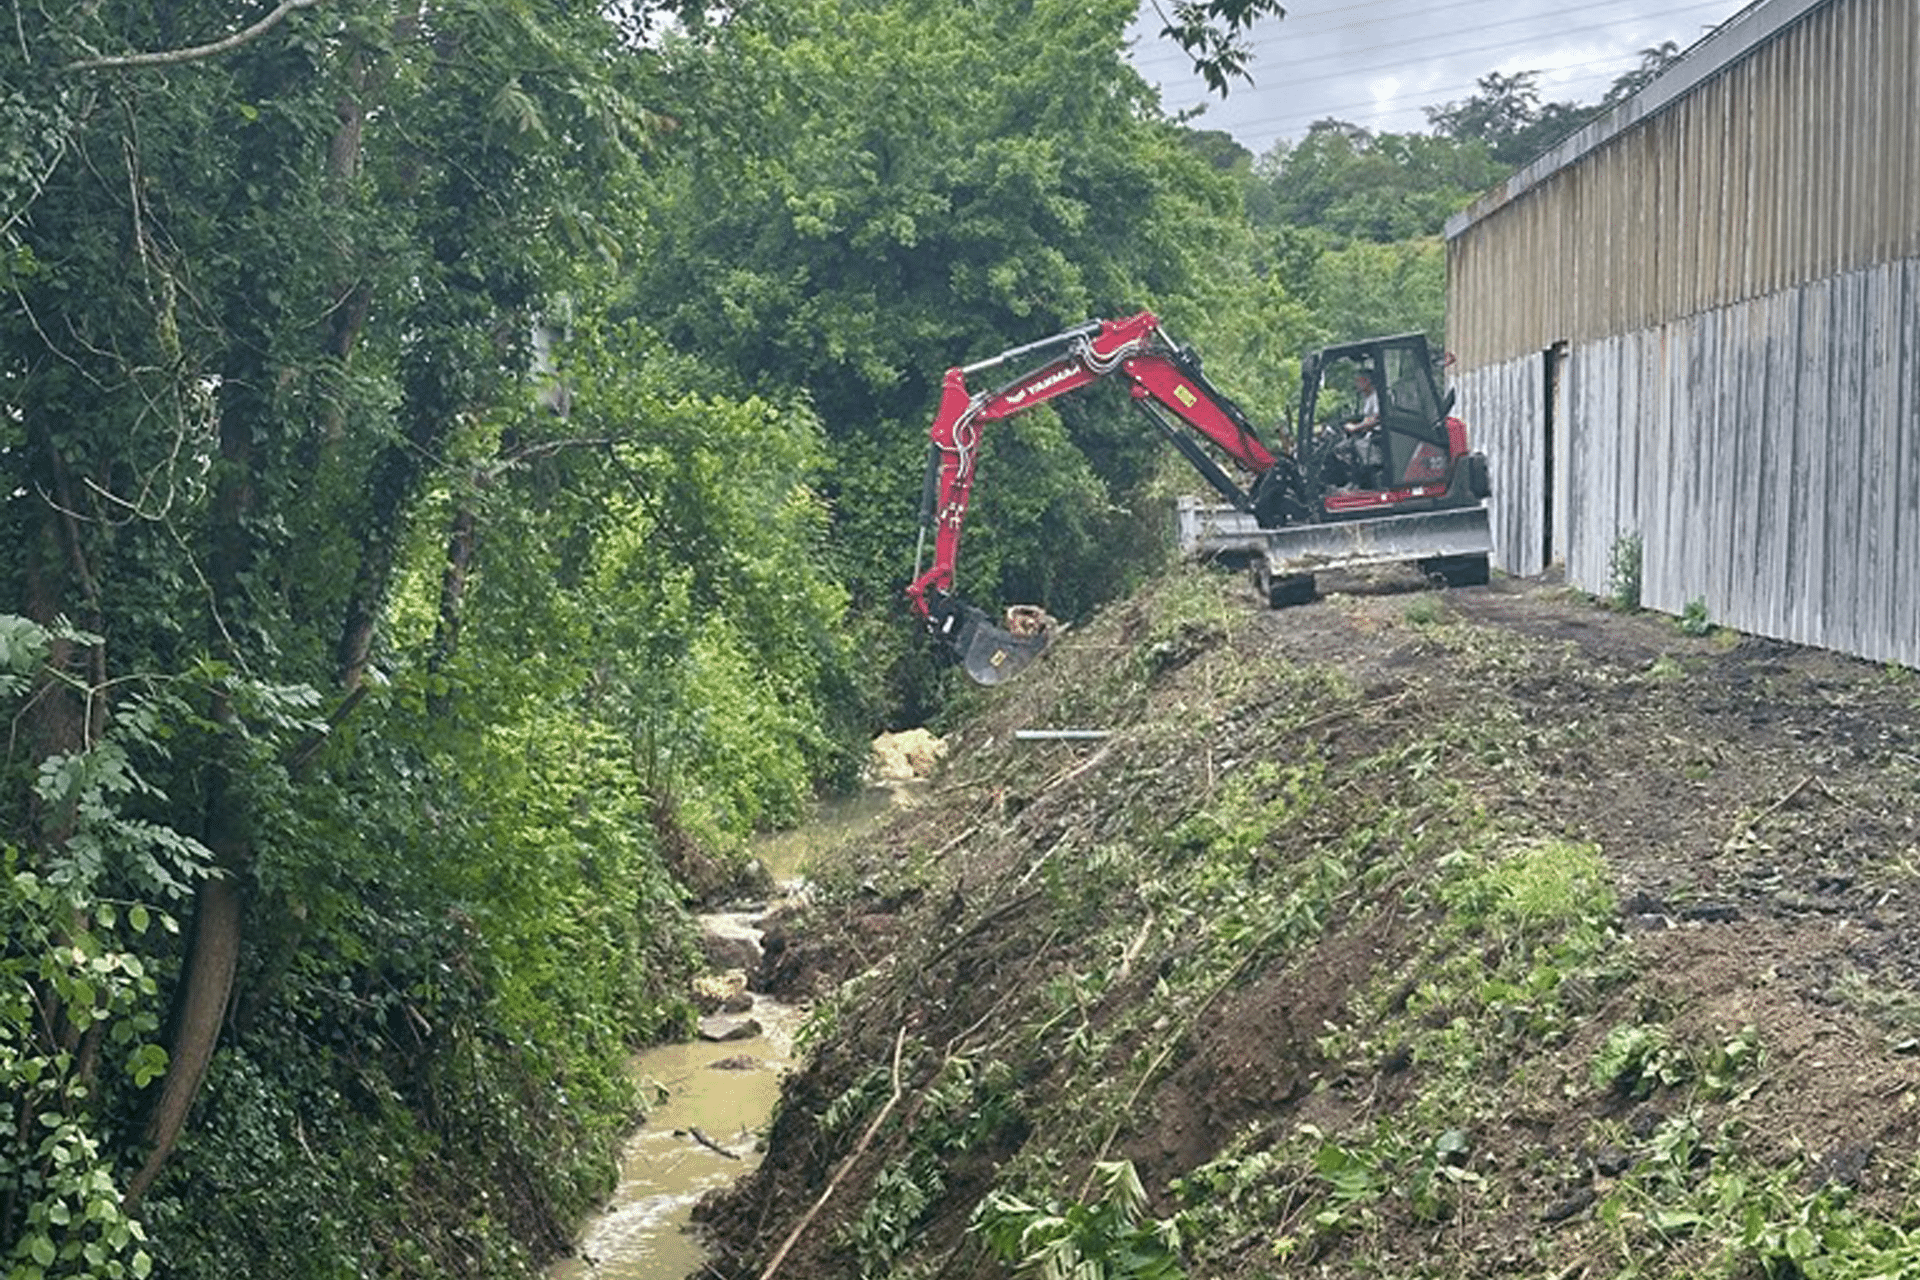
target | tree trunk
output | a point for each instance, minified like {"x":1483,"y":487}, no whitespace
{"x":55,"y":718}
{"x":395,"y":476}
{"x":206,"y":984}
{"x":202,"y":1008}
{"x":453,"y":599}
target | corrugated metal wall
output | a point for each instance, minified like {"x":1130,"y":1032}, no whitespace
{"x":1502,"y":407}
{"x":1799,"y":161}
{"x":1765,"y":454}
{"x":1736,"y":272}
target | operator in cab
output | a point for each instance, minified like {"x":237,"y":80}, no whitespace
{"x":1358,"y":451}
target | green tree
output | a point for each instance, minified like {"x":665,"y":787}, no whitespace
{"x":1213,"y":34}
{"x":297,"y":778}
{"x":1354,"y":184}
{"x":877,"y":191}
{"x":1368,"y":289}
{"x":1508,"y":115}
{"x":1653,"y":60}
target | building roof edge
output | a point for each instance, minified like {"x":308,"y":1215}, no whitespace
{"x":1713,"y":53}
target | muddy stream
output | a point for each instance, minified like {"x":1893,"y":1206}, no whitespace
{"x":708,"y":1101}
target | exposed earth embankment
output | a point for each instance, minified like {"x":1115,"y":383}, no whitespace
{"x":1475,"y":933}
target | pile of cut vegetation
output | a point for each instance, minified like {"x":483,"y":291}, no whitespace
{"x":1461,"y":934}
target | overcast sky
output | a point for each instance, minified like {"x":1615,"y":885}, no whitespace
{"x":1378,"y":62}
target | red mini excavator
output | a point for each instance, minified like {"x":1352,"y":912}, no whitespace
{"x":1399,"y":483}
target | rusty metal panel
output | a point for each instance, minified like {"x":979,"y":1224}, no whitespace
{"x":1847,"y":468}
{"x":1785,"y":451}
{"x":1879,"y":456}
{"x":1667,"y":461}
{"x":1753,"y":457}
{"x":1905,"y":625}
{"x":1900,"y":92}
{"x":1721,"y":458}
{"x":1840,"y":584}
{"x":1766,"y":455}
{"x":1503,"y":407}
{"x":1624,"y":418}
{"x":1793,"y":160}
{"x":1594,"y":377}
{"x":1805,"y":614}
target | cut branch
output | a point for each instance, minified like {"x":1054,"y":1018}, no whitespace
{"x":853,"y":1158}
{"x":710,"y":1144}
{"x":171,"y":57}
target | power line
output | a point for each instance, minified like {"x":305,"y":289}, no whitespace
{"x":1303,"y":29}
{"x":1380,"y":69}
{"x":1416,"y":98}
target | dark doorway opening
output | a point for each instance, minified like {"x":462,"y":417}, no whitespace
{"x":1553,"y":382}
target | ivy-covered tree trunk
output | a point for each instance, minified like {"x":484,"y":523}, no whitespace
{"x":200,"y":1011}
{"x":235,"y":617}
{"x":396,"y":480}
{"x":462,"y":540}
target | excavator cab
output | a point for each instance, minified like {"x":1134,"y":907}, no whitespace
{"x":1411,"y":446}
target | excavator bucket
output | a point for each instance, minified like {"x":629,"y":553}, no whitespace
{"x":992,"y":654}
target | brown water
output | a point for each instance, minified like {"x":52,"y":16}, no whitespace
{"x":643,"y":1233}
{"x":665,"y":1169}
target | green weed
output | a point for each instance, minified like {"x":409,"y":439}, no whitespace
{"x":1638,"y":1058}
{"x":1107,"y":1239}
{"x":1624,"y":573}
{"x":1692,"y":1205}
{"x":1693,"y":620}
{"x":855,"y":1103}
{"x":1895,"y":1009}
{"x":1191,"y":615}
{"x":890,"y":1219}
{"x":1425,"y":612}
{"x":1727,"y":1069}
{"x":966,"y":1106}
{"x":1533,"y":889}
{"x":1666,"y":667}
{"x":1635,"y":1060}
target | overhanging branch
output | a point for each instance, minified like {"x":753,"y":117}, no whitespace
{"x":169,"y":57}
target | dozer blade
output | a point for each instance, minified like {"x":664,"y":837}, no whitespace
{"x":993,"y":654}
{"x":1343,"y":544}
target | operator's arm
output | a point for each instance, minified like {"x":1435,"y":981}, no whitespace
{"x":1369,"y":416}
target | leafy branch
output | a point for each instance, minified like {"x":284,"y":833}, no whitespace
{"x":1211,"y":33}
{"x":193,"y":53}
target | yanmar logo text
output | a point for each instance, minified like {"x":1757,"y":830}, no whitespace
{"x":1054,"y":379}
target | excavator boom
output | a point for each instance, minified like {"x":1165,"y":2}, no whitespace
{"x":1167,"y":384}
{"x":1165,"y":381}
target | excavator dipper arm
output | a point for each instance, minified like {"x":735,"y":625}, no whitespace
{"x":1165,"y":381}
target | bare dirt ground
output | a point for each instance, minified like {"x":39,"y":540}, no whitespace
{"x":1757,"y":806}
{"x":1766,"y":793}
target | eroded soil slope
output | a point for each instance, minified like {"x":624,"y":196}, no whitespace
{"x":1480,"y":932}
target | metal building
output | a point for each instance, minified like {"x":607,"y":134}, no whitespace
{"x":1695,"y":326}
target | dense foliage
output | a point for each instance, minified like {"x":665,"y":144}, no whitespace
{"x":1508,"y":116}
{"x":369,"y":716}
{"x":887,"y":190}
{"x":460,"y":463}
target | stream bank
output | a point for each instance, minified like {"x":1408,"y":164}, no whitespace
{"x":707,"y":1101}
{"x":1471,"y":933}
